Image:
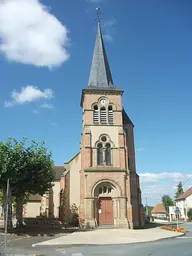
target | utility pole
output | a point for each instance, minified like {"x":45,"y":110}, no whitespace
{"x":6,"y":216}
{"x":146,"y":206}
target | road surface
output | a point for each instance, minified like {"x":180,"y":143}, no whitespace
{"x":170,"y":247}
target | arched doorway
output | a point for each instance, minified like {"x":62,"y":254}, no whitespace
{"x":104,"y":193}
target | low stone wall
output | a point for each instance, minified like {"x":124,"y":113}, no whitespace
{"x":43,"y":222}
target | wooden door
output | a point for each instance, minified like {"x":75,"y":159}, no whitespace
{"x":105,"y":211}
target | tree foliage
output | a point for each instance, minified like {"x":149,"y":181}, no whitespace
{"x":148,"y":210}
{"x":179,"y":190}
{"x":28,"y":166}
{"x":1,"y":197}
{"x":167,"y":201}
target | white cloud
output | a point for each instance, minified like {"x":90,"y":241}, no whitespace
{"x":35,"y":111}
{"x":154,"y":177}
{"x":140,"y":149}
{"x":30,"y":34}
{"x":155,"y":185}
{"x":46,"y":105}
{"x":108,"y":29}
{"x":95,"y":1}
{"x":108,"y":38}
{"x":109,"y":23}
{"x":53,"y":123}
{"x":28,"y":94}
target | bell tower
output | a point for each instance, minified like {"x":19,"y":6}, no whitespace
{"x":109,"y":185}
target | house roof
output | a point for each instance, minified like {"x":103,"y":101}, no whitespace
{"x":59,"y":170}
{"x":159,"y":208}
{"x":126,"y":119}
{"x":185,"y":195}
{"x":34,"y":198}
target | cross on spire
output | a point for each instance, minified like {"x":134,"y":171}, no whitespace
{"x":98,"y":9}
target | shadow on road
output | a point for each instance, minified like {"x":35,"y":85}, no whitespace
{"x":153,"y":225}
{"x":39,"y":231}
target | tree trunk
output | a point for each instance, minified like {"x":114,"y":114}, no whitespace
{"x":9,"y":221}
{"x":19,"y":211}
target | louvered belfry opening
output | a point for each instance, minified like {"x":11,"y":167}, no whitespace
{"x":103,"y":117}
{"x":110,"y":114}
{"x":95,"y":115}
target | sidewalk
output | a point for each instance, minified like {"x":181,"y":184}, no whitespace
{"x":110,"y":236}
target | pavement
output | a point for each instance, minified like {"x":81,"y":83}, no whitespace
{"x":166,"y":247}
{"x":117,"y":236}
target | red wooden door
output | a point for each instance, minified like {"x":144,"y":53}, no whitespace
{"x":105,"y":211}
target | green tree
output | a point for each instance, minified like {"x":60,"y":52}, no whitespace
{"x":148,"y":210}
{"x":189,"y":214}
{"x":30,"y":169}
{"x":179,"y":190}
{"x":1,"y":197}
{"x":167,"y":201}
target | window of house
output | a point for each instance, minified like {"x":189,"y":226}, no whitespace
{"x":103,"y":139}
{"x":109,"y":190}
{"x":105,"y":189}
{"x":108,"y":154}
{"x":110,"y":114}
{"x":104,"y":151}
{"x":95,"y":114}
{"x":100,"y":154}
{"x":103,"y":118}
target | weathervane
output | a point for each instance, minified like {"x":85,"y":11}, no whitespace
{"x":98,"y":9}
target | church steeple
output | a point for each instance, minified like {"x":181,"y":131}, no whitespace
{"x":100,"y":75}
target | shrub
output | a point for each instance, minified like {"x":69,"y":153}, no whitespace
{"x":180,"y":229}
{"x":189,"y":214}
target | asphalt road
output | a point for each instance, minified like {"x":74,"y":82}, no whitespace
{"x":171,"y":247}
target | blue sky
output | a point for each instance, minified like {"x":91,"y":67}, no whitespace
{"x":46,"y":51}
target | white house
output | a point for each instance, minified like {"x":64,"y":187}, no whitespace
{"x":184,"y":202}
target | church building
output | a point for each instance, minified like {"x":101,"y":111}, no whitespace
{"x":101,"y":180}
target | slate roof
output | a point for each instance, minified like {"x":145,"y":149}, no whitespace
{"x":100,"y":75}
{"x":126,"y":119}
{"x":185,"y":195}
{"x":59,"y":170}
{"x":159,"y":208}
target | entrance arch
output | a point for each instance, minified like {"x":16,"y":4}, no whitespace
{"x":105,"y":206}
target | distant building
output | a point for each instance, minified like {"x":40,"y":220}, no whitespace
{"x":159,"y":211}
{"x":184,"y":202}
{"x":48,"y":204}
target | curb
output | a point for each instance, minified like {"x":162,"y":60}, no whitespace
{"x":75,"y":245}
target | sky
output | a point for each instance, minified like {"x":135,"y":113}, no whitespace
{"x":46,"y":50}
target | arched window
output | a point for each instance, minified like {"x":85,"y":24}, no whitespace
{"x":100,"y":154}
{"x":108,"y":154}
{"x":110,"y":114}
{"x":95,"y":115}
{"x":103,"y":118}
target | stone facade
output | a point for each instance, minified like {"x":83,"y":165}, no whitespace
{"x":120,"y":174}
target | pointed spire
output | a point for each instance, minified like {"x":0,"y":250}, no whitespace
{"x":100,"y":75}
